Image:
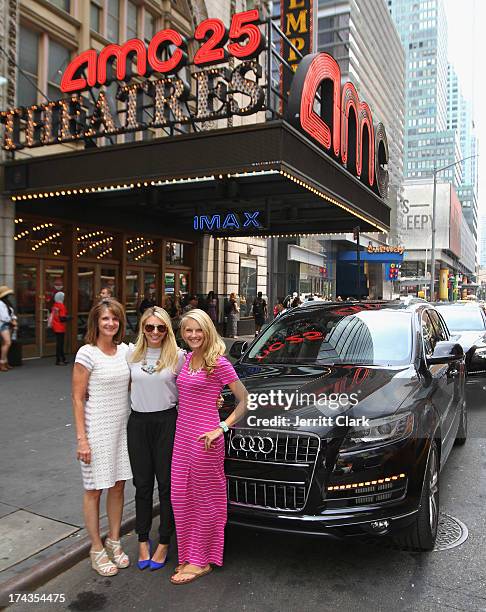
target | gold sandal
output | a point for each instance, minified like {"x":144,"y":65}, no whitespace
{"x":101,"y":563}
{"x":116,"y":554}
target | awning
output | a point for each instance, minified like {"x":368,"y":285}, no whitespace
{"x":269,"y":167}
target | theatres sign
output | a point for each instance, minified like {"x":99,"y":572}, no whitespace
{"x":167,"y":101}
{"x":338,"y":120}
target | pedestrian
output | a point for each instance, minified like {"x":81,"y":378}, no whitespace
{"x":296,"y":301}
{"x":260,"y":312}
{"x":198,"y":480}
{"x":192,"y":302}
{"x":147,"y":302}
{"x":8,"y":323}
{"x":154,"y":362}
{"x":212,"y":306}
{"x":100,"y":401}
{"x":232,"y":312}
{"x":57,"y":322}
{"x":105,"y":293}
{"x":279,"y":307}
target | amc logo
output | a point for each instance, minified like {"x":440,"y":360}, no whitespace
{"x":344,"y":125}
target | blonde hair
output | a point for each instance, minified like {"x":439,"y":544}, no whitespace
{"x":95,"y":313}
{"x":213,"y":346}
{"x":169,"y":351}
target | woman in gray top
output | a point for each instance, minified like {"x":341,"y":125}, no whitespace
{"x":154,"y":361}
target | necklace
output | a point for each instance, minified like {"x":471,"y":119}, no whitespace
{"x":191,"y":371}
{"x":149,"y":369}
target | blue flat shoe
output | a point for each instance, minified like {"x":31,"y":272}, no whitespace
{"x":146,"y":562}
{"x":154,"y":565}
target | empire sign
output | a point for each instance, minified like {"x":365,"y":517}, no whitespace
{"x":170,"y":101}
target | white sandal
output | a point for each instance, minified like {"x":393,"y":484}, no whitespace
{"x":116,"y":554}
{"x":101,"y":563}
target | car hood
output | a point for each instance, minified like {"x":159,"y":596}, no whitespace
{"x":309,"y":391}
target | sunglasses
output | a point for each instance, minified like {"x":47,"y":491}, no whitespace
{"x":160,"y":328}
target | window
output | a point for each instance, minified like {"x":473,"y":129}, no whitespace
{"x":59,"y":58}
{"x":174,"y":252}
{"x":113,"y":20}
{"x":248,"y":284}
{"x":132,"y":23}
{"x":95,"y":16}
{"x":149,"y":28}
{"x":429,"y":335}
{"x":62,"y":4}
{"x":28,"y":63}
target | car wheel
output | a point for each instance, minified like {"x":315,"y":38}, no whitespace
{"x":461,"y":435}
{"x":421,"y":534}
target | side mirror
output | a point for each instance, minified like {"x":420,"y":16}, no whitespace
{"x":238,"y":348}
{"x":446,"y":352}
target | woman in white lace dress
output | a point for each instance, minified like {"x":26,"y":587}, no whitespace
{"x":100,"y":400}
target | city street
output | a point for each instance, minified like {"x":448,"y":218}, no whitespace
{"x":277,"y":572}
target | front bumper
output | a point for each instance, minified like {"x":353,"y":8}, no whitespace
{"x":329,"y":494}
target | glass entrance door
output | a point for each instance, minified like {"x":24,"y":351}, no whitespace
{"x":36,"y":283}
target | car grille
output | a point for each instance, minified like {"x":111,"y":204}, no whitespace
{"x":272,"y":446}
{"x":272,"y":495}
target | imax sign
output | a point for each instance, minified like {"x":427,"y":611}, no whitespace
{"x":230,"y":221}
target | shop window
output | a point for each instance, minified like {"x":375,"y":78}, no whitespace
{"x":108,"y":279}
{"x":176,"y":253}
{"x":34,"y":238}
{"x":94,"y":244}
{"x":248,"y":284}
{"x":169,"y":284}
{"x":27,"y":79}
{"x":59,"y":58}
{"x":140,"y":250}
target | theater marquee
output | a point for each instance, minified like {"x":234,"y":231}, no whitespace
{"x":170,"y":102}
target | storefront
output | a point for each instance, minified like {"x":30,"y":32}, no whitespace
{"x":135,"y":216}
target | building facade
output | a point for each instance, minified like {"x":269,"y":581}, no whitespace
{"x":42,"y":251}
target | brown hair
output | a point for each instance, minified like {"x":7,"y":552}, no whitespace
{"x":94,"y":316}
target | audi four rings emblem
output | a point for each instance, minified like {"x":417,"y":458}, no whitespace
{"x":257,"y":444}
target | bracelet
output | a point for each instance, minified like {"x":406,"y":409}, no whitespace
{"x":224,"y":426}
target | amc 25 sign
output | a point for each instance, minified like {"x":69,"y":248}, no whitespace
{"x":149,"y":103}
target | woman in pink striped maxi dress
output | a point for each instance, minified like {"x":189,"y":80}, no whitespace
{"x":198,"y":484}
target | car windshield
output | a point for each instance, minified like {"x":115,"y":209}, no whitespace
{"x":462,"y":319}
{"x":351,"y":335}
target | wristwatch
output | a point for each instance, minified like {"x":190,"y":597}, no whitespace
{"x":224,"y":427}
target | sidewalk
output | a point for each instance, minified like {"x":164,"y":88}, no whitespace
{"x":41,"y":522}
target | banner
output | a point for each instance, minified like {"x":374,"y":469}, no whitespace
{"x":296,"y":22}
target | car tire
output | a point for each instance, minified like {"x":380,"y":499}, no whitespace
{"x":421,"y":534}
{"x":461,"y":435}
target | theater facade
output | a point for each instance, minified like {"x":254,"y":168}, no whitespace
{"x":236,"y":157}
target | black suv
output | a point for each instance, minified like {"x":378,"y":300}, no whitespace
{"x":354,"y":409}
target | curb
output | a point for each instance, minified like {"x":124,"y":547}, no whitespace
{"x":52,"y":566}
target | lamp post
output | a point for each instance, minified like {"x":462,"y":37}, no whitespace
{"x":434,"y":201}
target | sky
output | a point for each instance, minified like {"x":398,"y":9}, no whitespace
{"x":467,"y":52}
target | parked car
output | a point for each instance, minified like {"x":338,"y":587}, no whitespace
{"x":368,"y":400}
{"x":466,"y":321}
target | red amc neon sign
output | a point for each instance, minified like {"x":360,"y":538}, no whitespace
{"x":344,"y":127}
{"x":217,"y":44}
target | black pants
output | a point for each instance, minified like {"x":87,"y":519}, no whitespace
{"x":60,"y":356}
{"x":150,"y":443}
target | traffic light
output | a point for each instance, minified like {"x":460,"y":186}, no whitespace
{"x":393,"y":271}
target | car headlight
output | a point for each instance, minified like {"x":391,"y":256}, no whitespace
{"x":480,"y":352}
{"x":378,"y":431}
